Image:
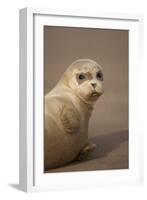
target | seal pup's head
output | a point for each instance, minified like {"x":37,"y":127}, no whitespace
{"x":84,"y":77}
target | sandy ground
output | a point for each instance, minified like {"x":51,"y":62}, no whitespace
{"x":111,"y":153}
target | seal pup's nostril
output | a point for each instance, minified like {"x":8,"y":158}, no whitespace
{"x":93,"y":85}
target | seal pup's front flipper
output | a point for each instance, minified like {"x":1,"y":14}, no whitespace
{"x":70,"y":119}
{"x":86,"y":150}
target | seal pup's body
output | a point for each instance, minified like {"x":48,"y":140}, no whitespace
{"x":68,"y":108}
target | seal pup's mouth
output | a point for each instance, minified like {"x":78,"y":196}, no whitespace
{"x":94,"y":94}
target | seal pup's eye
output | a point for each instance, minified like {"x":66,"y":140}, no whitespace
{"x":99,"y":76}
{"x":81,"y":77}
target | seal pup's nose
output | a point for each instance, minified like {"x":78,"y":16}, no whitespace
{"x":93,"y":85}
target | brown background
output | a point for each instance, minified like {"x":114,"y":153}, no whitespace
{"x":109,"y":122}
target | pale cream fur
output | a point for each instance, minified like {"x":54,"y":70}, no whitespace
{"x":68,"y":107}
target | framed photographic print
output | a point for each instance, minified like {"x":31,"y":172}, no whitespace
{"x":80,"y":118}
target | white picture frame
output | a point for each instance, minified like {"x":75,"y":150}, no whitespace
{"x":32,"y":177}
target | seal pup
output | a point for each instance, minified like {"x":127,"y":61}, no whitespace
{"x":68,"y":107}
